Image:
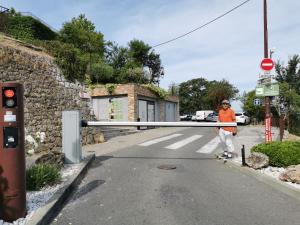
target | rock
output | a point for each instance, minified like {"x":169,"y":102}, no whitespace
{"x":98,"y":138}
{"x":41,"y":148}
{"x":291,"y":174}
{"x":54,"y":157}
{"x":257,"y":160}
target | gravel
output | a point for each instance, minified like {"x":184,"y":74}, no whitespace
{"x":270,"y":171}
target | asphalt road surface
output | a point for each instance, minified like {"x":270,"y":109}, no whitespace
{"x":127,"y":188}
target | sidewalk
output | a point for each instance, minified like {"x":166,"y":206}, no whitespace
{"x":251,"y":136}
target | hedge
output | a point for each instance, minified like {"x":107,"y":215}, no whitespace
{"x":281,"y":154}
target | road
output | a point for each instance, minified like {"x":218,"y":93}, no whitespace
{"x":127,"y":188}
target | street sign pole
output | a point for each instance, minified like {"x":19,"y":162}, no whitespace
{"x":268,"y":122}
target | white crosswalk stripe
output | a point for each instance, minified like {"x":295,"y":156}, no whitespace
{"x":155,"y":141}
{"x":210,"y":146}
{"x":183,"y":142}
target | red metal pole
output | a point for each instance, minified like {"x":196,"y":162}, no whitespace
{"x":12,"y":153}
{"x":268,"y":121}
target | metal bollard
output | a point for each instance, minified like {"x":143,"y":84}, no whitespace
{"x":138,"y":120}
{"x":243,"y":156}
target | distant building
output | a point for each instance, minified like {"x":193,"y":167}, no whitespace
{"x":128,"y":102}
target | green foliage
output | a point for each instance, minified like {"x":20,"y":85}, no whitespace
{"x":193,"y":95}
{"x":139,"y":52}
{"x":82,"y":54}
{"x":135,"y":64}
{"x":253,"y":110}
{"x":281,"y":154}
{"x":289,"y":80}
{"x":110,"y":88}
{"x":70,"y":60}
{"x":219,"y":90}
{"x":82,"y":34}
{"x":161,"y":93}
{"x":173,"y":89}
{"x":101,"y":73}
{"x":28,"y":28}
{"x":200,"y":94}
{"x":41,"y":175}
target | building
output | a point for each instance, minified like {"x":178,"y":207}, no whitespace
{"x":128,"y":102}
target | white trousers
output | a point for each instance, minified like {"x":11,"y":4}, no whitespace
{"x":226,"y":140}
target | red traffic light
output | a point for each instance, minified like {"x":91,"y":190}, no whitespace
{"x":9,"y":93}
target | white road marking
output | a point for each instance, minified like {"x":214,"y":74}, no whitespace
{"x":155,"y":141}
{"x":210,"y":146}
{"x":183,"y":142}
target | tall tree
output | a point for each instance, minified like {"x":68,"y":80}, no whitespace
{"x":142,"y":55}
{"x":289,"y":79}
{"x":82,"y":34}
{"x":193,"y":95}
{"x":219,"y":90}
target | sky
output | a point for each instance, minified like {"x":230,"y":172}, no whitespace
{"x":230,"y":48}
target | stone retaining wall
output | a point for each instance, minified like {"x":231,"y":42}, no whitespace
{"x":46,"y":95}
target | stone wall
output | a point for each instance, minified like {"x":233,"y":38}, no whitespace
{"x":46,"y":95}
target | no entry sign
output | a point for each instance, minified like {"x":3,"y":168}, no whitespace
{"x":267,"y":64}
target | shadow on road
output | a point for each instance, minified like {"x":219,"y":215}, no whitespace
{"x":98,"y":161}
{"x":87,"y":188}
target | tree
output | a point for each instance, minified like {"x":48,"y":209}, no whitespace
{"x":82,"y":34}
{"x":101,"y":73}
{"x":140,"y":54}
{"x":173,"y":89}
{"x":219,"y":90}
{"x":289,"y":80}
{"x":291,"y":73}
{"x":254,"y":111}
{"x":193,"y":95}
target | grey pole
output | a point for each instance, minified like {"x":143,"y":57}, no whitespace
{"x":71,"y":136}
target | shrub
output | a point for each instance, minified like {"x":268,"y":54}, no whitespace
{"x":69,"y":59}
{"x":28,"y":28}
{"x":41,"y":175}
{"x":281,"y":154}
{"x":161,"y":93}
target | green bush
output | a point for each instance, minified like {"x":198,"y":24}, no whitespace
{"x":28,"y":28}
{"x":41,"y":175}
{"x":281,"y":154}
{"x":69,"y":59}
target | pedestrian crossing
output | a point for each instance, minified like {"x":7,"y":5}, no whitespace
{"x":183,"y":142}
{"x":208,"y":148}
{"x":158,"y":140}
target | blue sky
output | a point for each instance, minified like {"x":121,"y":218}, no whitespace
{"x":230,"y":48}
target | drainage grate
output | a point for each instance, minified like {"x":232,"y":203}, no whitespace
{"x":167,"y":167}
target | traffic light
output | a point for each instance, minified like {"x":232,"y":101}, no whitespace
{"x":12,"y":152}
{"x":9,"y":97}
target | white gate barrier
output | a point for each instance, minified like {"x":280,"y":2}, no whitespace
{"x":71,"y":137}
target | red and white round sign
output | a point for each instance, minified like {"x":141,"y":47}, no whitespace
{"x":267,"y":64}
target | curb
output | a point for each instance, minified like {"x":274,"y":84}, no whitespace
{"x":276,"y":184}
{"x":45,"y":214}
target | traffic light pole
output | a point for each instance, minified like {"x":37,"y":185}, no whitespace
{"x":12,"y":152}
{"x":268,"y":133}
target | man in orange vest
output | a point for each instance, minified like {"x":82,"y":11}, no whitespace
{"x":226,"y":114}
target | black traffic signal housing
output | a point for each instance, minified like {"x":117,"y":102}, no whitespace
{"x":9,"y":97}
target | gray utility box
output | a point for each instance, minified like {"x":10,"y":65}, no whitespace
{"x":71,"y":137}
